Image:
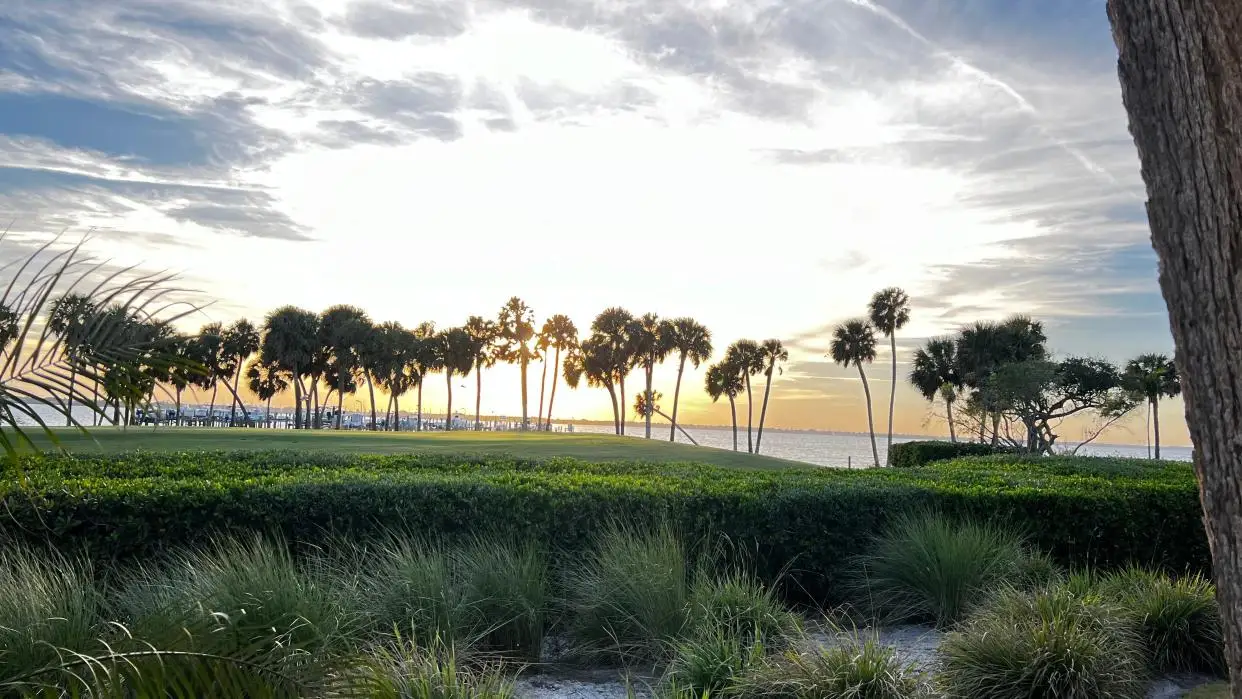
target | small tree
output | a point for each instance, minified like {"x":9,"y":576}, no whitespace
{"x":1150,"y":377}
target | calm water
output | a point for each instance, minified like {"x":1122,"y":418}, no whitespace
{"x":822,"y":448}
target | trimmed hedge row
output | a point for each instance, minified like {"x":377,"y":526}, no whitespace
{"x":1099,"y":512}
{"x":911,"y":454}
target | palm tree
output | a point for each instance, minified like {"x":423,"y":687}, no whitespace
{"x":342,"y":331}
{"x":890,"y":311}
{"x":266,"y":380}
{"x":217,"y":363}
{"x":183,"y":372}
{"x":935,"y":373}
{"x":651,"y":343}
{"x":564,"y":336}
{"x":594,"y":359}
{"x":239,"y":341}
{"x":543,"y":343}
{"x":748,"y":358}
{"x":375,"y":355}
{"x":456,"y":357}
{"x":422,"y":359}
{"x":517,"y":329}
{"x":1151,"y":377}
{"x":853,"y":342}
{"x":984,"y":347}
{"x":289,"y":342}
{"x":773,"y":353}
{"x":691,"y":341}
{"x":615,"y":327}
{"x":393,"y":346}
{"x":483,"y":337}
{"x":724,"y":379}
{"x":69,"y":317}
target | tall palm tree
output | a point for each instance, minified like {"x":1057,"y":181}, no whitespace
{"x":182,"y":373}
{"x":543,"y":343}
{"x":395,"y":346}
{"x":266,"y":380}
{"x":240,"y":340}
{"x":217,"y":363}
{"x":889,"y":312}
{"x":724,"y":379}
{"x":483,"y":337}
{"x":984,"y":347}
{"x":564,"y":338}
{"x":1151,"y":377}
{"x":289,"y":341}
{"x":773,"y":353}
{"x":651,"y":342}
{"x":423,"y":359}
{"x":69,"y":318}
{"x":375,"y":354}
{"x":748,"y":358}
{"x":935,"y":373}
{"x":456,"y":357}
{"x":342,"y":331}
{"x":691,"y":341}
{"x":615,"y":327}
{"x":853,"y":342}
{"x":594,"y":360}
{"x":517,"y":329}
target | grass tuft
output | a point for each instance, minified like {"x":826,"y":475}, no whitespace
{"x":1177,"y":619}
{"x":506,"y":594}
{"x":48,"y":603}
{"x":404,"y":669}
{"x":850,"y":668}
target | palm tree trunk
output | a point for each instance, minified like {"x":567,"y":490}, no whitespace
{"x":211,"y":410}
{"x":870,"y":421}
{"x":672,"y":429}
{"x":649,"y":371}
{"x":524,"y":363}
{"x":556,"y":371}
{"x":179,"y":390}
{"x":448,"y":408}
{"x":763,"y":412}
{"x":340,"y":398}
{"x":892,"y":396}
{"x":236,"y":388}
{"x":622,"y":413}
{"x":616,"y":420}
{"x":750,"y":415}
{"x":73,"y":377}
{"x":267,"y":415}
{"x":733,"y":411}
{"x":478,"y":395}
{"x":297,"y":400}
{"x":396,"y":413}
{"x":995,"y":428}
{"x":371,"y":389}
{"x":543,"y":382}
{"x":949,"y":407}
{"x":982,"y":427}
{"x":1155,"y":423}
{"x":318,"y":422}
{"x":420,"y":404}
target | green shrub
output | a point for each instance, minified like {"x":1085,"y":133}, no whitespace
{"x":912,"y":454}
{"x":47,"y":603}
{"x":739,"y":605}
{"x":805,"y":524}
{"x":1177,"y":619}
{"x":1048,"y":643}
{"x":928,"y":568}
{"x":849,"y":668}
{"x":431,"y":670}
{"x":506,"y":595}
{"x":713,"y":661}
{"x":417,"y":586}
{"x":628,"y":596}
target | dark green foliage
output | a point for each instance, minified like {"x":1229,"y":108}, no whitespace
{"x":849,"y":668}
{"x":911,"y":454}
{"x":1048,"y":643}
{"x":1085,"y":512}
{"x":1176,"y":618}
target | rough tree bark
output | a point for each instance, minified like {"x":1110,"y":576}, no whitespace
{"x":1181,"y":80}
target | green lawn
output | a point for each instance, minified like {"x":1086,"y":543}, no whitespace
{"x":588,"y":447}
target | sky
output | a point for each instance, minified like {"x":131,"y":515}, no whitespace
{"x":763,"y":166}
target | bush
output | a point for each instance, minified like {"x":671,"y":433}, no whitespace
{"x":1177,"y":619}
{"x":912,"y":454}
{"x":47,"y":603}
{"x":713,"y":662}
{"x":803,"y":522}
{"x":739,"y":605}
{"x":1048,"y":643}
{"x":506,"y":595}
{"x":927,"y":568}
{"x":433,"y":670}
{"x":417,"y":588}
{"x":847,"y":669}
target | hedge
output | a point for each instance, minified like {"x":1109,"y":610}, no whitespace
{"x":911,"y":454}
{"x":807,"y":523}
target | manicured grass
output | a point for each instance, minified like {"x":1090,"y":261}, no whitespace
{"x":536,"y":446}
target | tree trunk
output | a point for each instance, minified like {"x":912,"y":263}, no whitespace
{"x":621,"y":414}
{"x":616,"y":419}
{"x":892,"y":396}
{"x":478,"y":395}
{"x":371,"y":389}
{"x":949,"y":407}
{"x":1180,"y":70}
{"x":525,"y":362}
{"x":340,"y":400}
{"x":211,"y":410}
{"x":870,"y":421}
{"x":1155,"y":423}
{"x":733,"y":412}
{"x":318,"y":422}
{"x":995,"y":428}
{"x":763,"y":412}
{"x":396,"y":413}
{"x":297,"y":400}
{"x":420,"y":404}
{"x":236,"y":388}
{"x":648,"y":408}
{"x":543,"y":382}
{"x":681,"y":369}
{"x":448,"y":407}
{"x":750,"y":414}
{"x":267,"y":416}
{"x":556,"y":371}
{"x":73,"y":378}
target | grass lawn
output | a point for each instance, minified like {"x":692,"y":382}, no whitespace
{"x":1216,"y":690}
{"x":588,"y":447}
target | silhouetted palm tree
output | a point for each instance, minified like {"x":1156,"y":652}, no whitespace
{"x":748,"y":358}
{"x":853,"y":342}
{"x":934,"y":372}
{"x":651,"y":342}
{"x":1151,"y":377}
{"x":614,"y":327}
{"x":289,"y":341}
{"x":543,"y":343}
{"x":266,"y":380}
{"x":890,"y":311}
{"x":342,"y":331}
{"x":773,"y":353}
{"x":69,"y":318}
{"x":423,"y":359}
{"x":564,"y":338}
{"x":483,"y":337}
{"x":394,"y":346}
{"x":456,"y":357}
{"x":375,"y":354}
{"x":724,"y":379}
{"x":983,"y":347}
{"x":691,"y":341}
{"x":594,"y":359}
{"x":240,"y":340}
{"x":183,"y":372}
{"x":217,"y":363}
{"x":517,"y":328}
